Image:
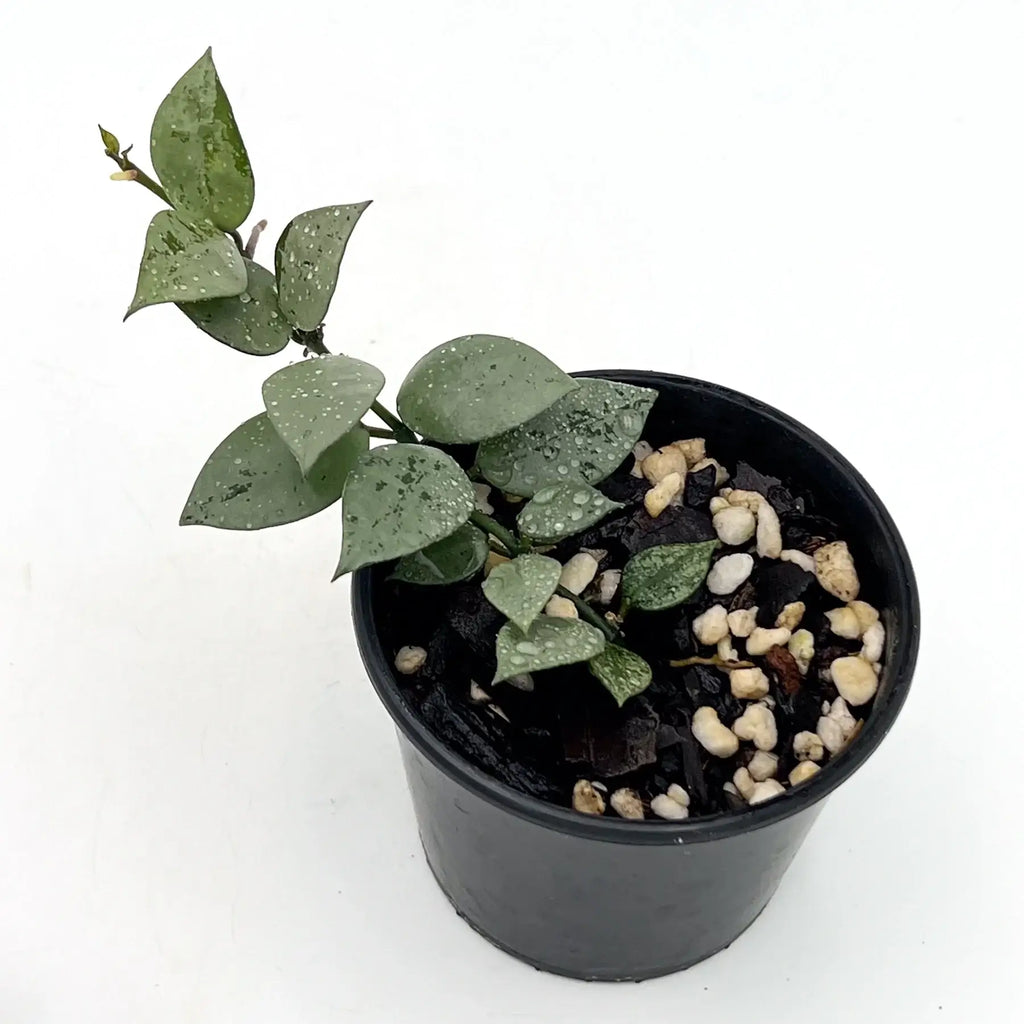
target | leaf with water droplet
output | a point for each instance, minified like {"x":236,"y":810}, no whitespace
{"x":250,"y":322}
{"x":548,"y":643}
{"x":197,"y":150}
{"x":591,"y":430}
{"x":447,"y":561}
{"x":519,"y":589}
{"x":622,"y":673}
{"x":186,"y":261}
{"x":478,"y":386}
{"x":664,"y":576}
{"x":398,"y":499}
{"x":308,"y":259}
{"x":252,"y":481}
{"x":314,"y":402}
{"x":561,"y":510}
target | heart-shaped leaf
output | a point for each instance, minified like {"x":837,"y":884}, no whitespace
{"x":398,"y":499}
{"x":308,"y":259}
{"x":252,"y":481}
{"x":313,"y":403}
{"x":548,"y":643}
{"x":186,"y":262}
{"x":250,"y":322}
{"x":582,"y":438}
{"x":519,"y":589}
{"x":478,"y":386}
{"x":664,"y":576}
{"x":455,"y":558}
{"x":197,"y":150}
{"x":561,"y":510}
{"x":622,"y":673}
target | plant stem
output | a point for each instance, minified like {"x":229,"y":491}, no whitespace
{"x":378,"y":432}
{"x":311,"y":341}
{"x":714,"y":661}
{"x":254,"y":236}
{"x":496,"y":530}
{"x":139,"y":175}
{"x":588,"y":613}
{"x":402,"y":432}
{"x":237,"y":239}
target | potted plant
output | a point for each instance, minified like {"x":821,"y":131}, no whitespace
{"x":626,"y":667}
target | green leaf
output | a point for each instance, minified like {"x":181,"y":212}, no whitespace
{"x":582,"y":438}
{"x":519,"y":589}
{"x":455,"y":558}
{"x":561,"y":510}
{"x":548,"y":643}
{"x":186,"y":262}
{"x":622,"y":673}
{"x":662,"y":577}
{"x":197,"y":151}
{"x":308,"y":258}
{"x":479,"y":386}
{"x":252,"y":481}
{"x":314,"y":403}
{"x":398,"y":499}
{"x":250,"y":322}
{"x":110,"y":143}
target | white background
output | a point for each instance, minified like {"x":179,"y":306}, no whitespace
{"x":202,"y":814}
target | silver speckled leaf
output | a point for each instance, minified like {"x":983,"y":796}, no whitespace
{"x":561,"y":510}
{"x":519,"y":589}
{"x":197,"y":150}
{"x":664,"y":576}
{"x":186,"y":261}
{"x":447,"y":561}
{"x":622,"y":673}
{"x":308,"y":259}
{"x":250,"y":322}
{"x":398,"y":499}
{"x":317,"y":401}
{"x":582,"y":438}
{"x":548,"y":643}
{"x":479,"y":386}
{"x":252,"y":481}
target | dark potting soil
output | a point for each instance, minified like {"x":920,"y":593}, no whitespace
{"x":568,"y":727}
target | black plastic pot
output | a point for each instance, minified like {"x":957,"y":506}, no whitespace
{"x":608,"y":899}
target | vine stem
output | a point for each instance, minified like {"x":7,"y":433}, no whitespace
{"x":378,"y":432}
{"x":496,"y":530}
{"x":138,"y":174}
{"x":402,"y":432}
{"x":588,"y":613}
{"x":714,"y":661}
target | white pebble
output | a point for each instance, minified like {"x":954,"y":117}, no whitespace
{"x":663,"y":462}
{"x":712,"y":625}
{"x":806,"y":562}
{"x":626,"y":803}
{"x":867,"y":616}
{"x":523,"y":681}
{"x":721,"y":473}
{"x":679,"y":794}
{"x":763,"y":766}
{"x":734,"y":524}
{"x":665,"y":807}
{"x":410,"y":660}
{"x":767,"y":790}
{"x":790,"y":616}
{"x":742,"y":621}
{"x":802,"y":772}
{"x":661,"y":495}
{"x":748,"y":683}
{"x":843,"y":622}
{"x":578,"y":572}
{"x":712,"y":735}
{"x":757,"y":723}
{"x":836,"y":726}
{"x":716,"y":504}
{"x":744,"y":784}
{"x":559,"y":607}
{"x":640,"y":452}
{"x":694,"y":449}
{"x":726,"y":651}
{"x":729,"y":572}
{"x":769,"y":532}
{"x":608,"y":585}
{"x":477,"y":694}
{"x":493,"y":561}
{"x":855,"y":680}
{"x":483,"y":492}
{"x":586,"y":799}
{"x":808,"y":746}
{"x":833,"y":566}
{"x":801,"y":646}
{"x":874,"y":642}
{"x":747,"y":499}
{"x":763,"y":640}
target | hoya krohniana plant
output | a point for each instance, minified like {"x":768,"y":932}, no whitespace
{"x":540,"y":434}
